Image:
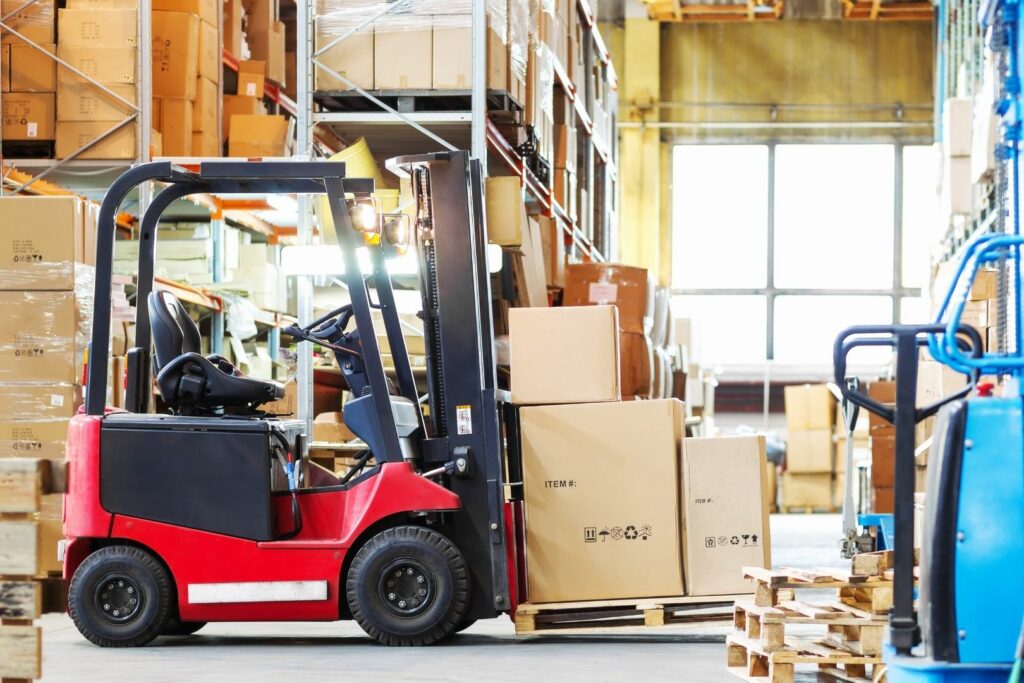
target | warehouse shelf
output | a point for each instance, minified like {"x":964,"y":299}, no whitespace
{"x":271,"y":90}
{"x":214,"y":303}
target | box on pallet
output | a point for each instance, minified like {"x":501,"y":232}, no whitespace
{"x":564,"y":355}
{"x":116,"y":27}
{"x":35,"y":21}
{"x":175,"y":55}
{"x":176,"y":126}
{"x":108,"y":65}
{"x":257,"y":136}
{"x":44,"y":337}
{"x":351,"y":57}
{"x":28,"y":116}
{"x":816,"y":490}
{"x":725,"y":513}
{"x":74,"y":135}
{"x":33,"y":438}
{"x":39,"y":401}
{"x":809,"y":451}
{"x":31,"y":70}
{"x":404,"y":35}
{"x":79,"y":102}
{"x":591,"y":532}
{"x":238,"y":104}
{"x":608,"y":283}
{"x":809,"y":406}
{"x":43,"y":243}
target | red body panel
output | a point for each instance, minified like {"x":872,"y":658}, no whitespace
{"x":332,"y":522}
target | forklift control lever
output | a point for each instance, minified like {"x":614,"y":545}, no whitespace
{"x":460,"y":466}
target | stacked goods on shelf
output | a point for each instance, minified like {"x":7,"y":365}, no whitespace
{"x":250,"y":131}
{"x":30,"y":77}
{"x":539,"y":113}
{"x":46,"y":292}
{"x":522,"y":239}
{"x":100,"y":39}
{"x":564,"y":138}
{"x":814,"y":476}
{"x":627,"y":287}
{"x":184,"y":254}
{"x":26,"y":592}
{"x":186,"y":76}
{"x":957,"y":183}
{"x":265,"y":37}
{"x":593,"y":534}
{"x":260,"y":279}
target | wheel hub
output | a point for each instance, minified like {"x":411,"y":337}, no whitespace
{"x":118,"y":598}
{"x":405,"y":587}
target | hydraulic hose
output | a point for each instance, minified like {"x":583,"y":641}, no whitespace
{"x":290,"y":464}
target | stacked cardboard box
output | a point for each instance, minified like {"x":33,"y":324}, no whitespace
{"x":45,"y":299}
{"x":29,"y":76}
{"x":883,"y":448}
{"x":813,"y":477}
{"x":957,"y":182}
{"x":250,"y":131}
{"x":694,"y":509}
{"x":99,"y":39}
{"x":265,"y":37}
{"x":627,"y":287}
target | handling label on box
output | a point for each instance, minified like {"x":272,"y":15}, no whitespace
{"x":603,"y":293}
{"x":464,"y":419}
{"x":732,"y":541}
{"x":626,"y":532}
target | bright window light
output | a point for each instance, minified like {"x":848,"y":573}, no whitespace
{"x":732,"y":329}
{"x":806,"y":327}
{"x":922,"y":224}
{"x":326,"y":259}
{"x":720,"y":216}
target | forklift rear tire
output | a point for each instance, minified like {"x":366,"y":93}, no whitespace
{"x":408,"y":586}
{"x":120,"y":596}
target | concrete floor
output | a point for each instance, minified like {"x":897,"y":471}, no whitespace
{"x":488,"y":651}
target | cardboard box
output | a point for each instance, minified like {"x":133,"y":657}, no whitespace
{"x":210,"y":59}
{"x":352,"y":58}
{"x":33,"y":438}
{"x":5,"y":67}
{"x":414,"y":70}
{"x":275,"y":53}
{"x":233,"y":39}
{"x":257,"y":136}
{"x":883,"y":500}
{"x":331,"y":427}
{"x":238,"y":104}
{"x":39,"y":401}
{"x":985,"y":285}
{"x":31,"y":70}
{"x":553,"y":244}
{"x":42,"y":239}
{"x":98,"y":27}
{"x":206,"y":145}
{"x":289,"y":405}
{"x":82,"y":103}
{"x":565,"y":147}
{"x":636,"y":360}
{"x":175,"y":55}
{"x":809,"y":406}
{"x":72,"y":135}
{"x":43,"y":331}
{"x":725,"y":513}
{"x":883,"y":391}
{"x":251,"y":78}
{"x":814,"y":490}
{"x":207,"y":10}
{"x":204,"y":110}
{"x":564,"y":355}
{"x":108,"y":65}
{"x":957,"y":186}
{"x":28,"y":116}
{"x":591,"y":532}
{"x":35,"y":22}
{"x":503,"y":196}
{"x":883,"y":461}
{"x":809,"y":451}
{"x":609,"y":283}
{"x":957,"y":123}
{"x":176,"y":126}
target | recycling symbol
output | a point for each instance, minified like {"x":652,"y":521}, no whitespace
{"x":735,"y":540}
{"x":631,"y":533}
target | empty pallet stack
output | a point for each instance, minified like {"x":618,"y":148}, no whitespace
{"x":813,"y":478}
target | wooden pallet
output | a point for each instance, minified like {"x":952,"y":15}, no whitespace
{"x":848,"y":628}
{"x":601,"y":615}
{"x":501,"y":106}
{"x":28,"y":149}
{"x":25,"y":591}
{"x":748,"y":660}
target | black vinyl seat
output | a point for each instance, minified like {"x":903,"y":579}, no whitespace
{"x":189,"y":381}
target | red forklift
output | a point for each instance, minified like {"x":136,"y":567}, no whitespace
{"x":211,"y":510}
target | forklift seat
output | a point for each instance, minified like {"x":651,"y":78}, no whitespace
{"x":190,"y":382}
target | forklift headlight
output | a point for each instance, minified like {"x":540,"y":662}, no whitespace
{"x":364,"y":215}
{"x":397,"y":231}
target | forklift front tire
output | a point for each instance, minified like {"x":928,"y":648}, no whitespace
{"x":181,"y":628}
{"x":120,"y":597}
{"x":408,"y":586}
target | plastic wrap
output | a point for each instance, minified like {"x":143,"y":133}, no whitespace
{"x":35,"y":22}
{"x":518,"y":37}
{"x":33,"y":438}
{"x":41,"y":401}
{"x":46,"y":333}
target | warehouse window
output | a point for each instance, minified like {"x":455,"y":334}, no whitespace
{"x":777,"y":247}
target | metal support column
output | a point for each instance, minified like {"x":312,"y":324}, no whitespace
{"x":304,"y":233}
{"x":217,"y":275}
{"x":478,"y":99}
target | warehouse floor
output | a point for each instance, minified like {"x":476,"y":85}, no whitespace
{"x":490,"y":651}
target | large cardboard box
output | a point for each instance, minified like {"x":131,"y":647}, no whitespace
{"x":564,"y":355}
{"x":636,"y":363}
{"x":504,"y":204}
{"x":957,"y":124}
{"x":28,"y":116}
{"x":331,"y":427}
{"x":593,"y":531}
{"x":175,"y":54}
{"x":42,"y":333}
{"x":552,"y":241}
{"x":204,"y":109}
{"x":395,"y":36}
{"x":82,"y":103}
{"x":34,"y":21}
{"x":809,"y":450}
{"x":108,"y":65}
{"x":238,"y":104}
{"x":257,"y":136}
{"x":207,"y":10}
{"x":176,"y":126}
{"x":209,"y":52}
{"x":31,"y":70}
{"x":809,"y":406}
{"x":71,"y":135}
{"x":41,"y":241}
{"x":116,"y":27}
{"x":39,"y":401}
{"x":610,"y":283}
{"x":352,"y":58}
{"x":5,"y":68}
{"x":883,"y":391}
{"x":725,"y":513}
{"x":453,"y":46}
{"x":883,"y":461}
{"x":275,"y":53}
{"x":251,"y":78}
{"x":33,"y":438}
{"x":883,"y":500}
{"x":206,"y":145}
{"x":233,"y":13}
{"x":813,"y":490}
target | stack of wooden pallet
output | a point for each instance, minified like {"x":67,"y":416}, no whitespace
{"x":764,"y":648}
{"x":25,"y":593}
{"x":601,"y":615}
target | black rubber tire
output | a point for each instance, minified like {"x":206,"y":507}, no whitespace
{"x":464,"y":625}
{"x":181,"y":628}
{"x":153,"y":588}
{"x":445,"y":571}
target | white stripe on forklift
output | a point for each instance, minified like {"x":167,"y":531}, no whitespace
{"x":256,"y":591}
